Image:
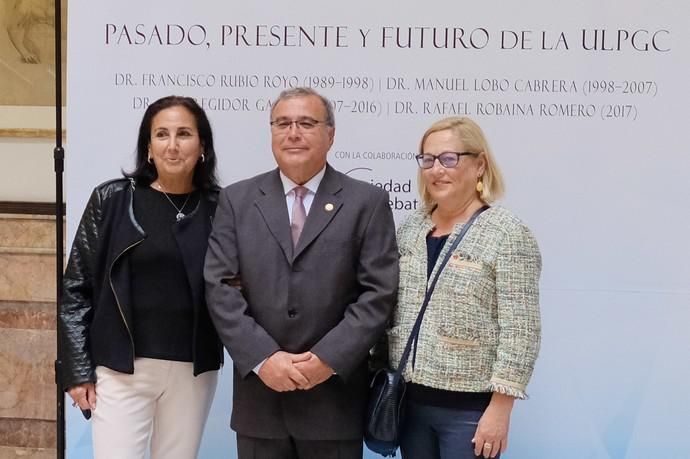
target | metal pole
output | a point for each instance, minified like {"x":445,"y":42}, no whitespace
{"x":59,"y":160}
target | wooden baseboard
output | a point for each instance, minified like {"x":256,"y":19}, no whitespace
{"x":31,"y":133}
{"x":28,"y":208}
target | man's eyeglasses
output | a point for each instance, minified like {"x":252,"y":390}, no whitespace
{"x":302,"y":124}
{"x":448,"y":159}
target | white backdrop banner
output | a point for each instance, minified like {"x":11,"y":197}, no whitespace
{"x":585,"y":104}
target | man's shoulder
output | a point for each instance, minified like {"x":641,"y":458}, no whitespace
{"x":251,"y":183}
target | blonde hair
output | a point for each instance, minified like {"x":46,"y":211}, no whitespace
{"x":472,"y":137}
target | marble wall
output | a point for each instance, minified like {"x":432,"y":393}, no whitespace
{"x":27,"y":337}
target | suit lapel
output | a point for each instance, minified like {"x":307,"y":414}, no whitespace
{"x":326,"y":204}
{"x":274,"y":212}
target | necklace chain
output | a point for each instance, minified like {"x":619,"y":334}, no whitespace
{"x":180,"y":215}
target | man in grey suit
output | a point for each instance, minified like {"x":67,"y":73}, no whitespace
{"x":301,"y":275}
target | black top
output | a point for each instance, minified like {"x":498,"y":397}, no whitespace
{"x":434,"y":244}
{"x":475,"y":401}
{"x":163,"y":313}
{"x":438,"y":397}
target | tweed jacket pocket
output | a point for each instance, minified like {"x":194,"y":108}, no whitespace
{"x":466,"y":276}
{"x":458,"y":361}
{"x":461,"y":309}
{"x":458,"y":341}
{"x":458,"y":262}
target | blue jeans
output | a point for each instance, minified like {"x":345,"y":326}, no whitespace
{"x":431,"y":432}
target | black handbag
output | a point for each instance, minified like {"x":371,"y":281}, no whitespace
{"x":386,"y":408}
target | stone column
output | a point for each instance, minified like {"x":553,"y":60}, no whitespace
{"x":27,"y":337}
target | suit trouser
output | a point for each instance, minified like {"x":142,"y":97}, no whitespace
{"x":161,"y":404}
{"x":291,"y":448}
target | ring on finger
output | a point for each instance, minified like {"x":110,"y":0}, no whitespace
{"x":488,"y":446}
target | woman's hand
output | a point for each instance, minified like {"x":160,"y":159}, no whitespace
{"x":84,"y":396}
{"x":491,"y":436}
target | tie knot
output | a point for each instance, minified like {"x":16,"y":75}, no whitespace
{"x":300,"y":191}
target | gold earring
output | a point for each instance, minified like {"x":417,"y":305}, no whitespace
{"x":480,"y":185}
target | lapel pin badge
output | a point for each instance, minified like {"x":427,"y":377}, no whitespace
{"x":328,"y":207}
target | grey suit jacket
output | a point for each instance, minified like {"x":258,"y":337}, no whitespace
{"x":331,"y":295}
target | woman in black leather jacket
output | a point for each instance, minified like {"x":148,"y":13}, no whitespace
{"x":140,"y":351}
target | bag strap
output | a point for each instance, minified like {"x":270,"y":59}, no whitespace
{"x":430,"y":289}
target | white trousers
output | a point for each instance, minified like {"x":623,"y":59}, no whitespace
{"x":162,"y":405}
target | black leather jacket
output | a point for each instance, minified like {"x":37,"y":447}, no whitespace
{"x":95,"y":316}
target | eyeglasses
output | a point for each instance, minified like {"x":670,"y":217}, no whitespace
{"x":302,"y":124}
{"x":448,"y":159}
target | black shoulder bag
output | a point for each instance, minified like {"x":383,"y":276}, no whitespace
{"x":386,"y":407}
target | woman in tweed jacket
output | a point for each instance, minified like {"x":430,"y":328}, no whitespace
{"x":480,"y":334}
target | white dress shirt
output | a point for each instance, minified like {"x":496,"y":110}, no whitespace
{"x":312,"y":185}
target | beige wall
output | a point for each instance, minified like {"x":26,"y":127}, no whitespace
{"x":27,"y":171}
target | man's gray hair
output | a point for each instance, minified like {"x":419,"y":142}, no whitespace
{"x":302,"y":91}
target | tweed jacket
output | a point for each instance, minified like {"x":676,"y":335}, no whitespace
{"x":481,"y":330}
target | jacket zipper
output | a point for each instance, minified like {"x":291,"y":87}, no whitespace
{"x":117,"y":300}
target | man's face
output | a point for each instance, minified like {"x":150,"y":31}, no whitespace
{"x":300,"y":138}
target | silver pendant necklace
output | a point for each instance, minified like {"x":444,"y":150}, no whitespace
{"x":180,"y":215}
